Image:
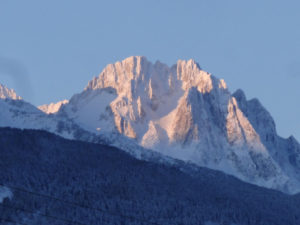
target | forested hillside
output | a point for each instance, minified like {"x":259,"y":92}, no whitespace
{"x":57,"y":181}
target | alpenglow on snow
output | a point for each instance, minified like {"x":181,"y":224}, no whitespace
{"x":183,"y":112}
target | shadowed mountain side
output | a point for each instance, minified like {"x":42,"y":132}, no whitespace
{"x":121,"y":186}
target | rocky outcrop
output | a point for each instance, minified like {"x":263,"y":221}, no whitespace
{"x":8,"y":93}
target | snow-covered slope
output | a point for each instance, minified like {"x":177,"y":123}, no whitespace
{"x":186,"y":113}
{"x":52,"y":107}
{"x":20,"y":114}
{"x":8,"y":93}
{"x":15,"y":112}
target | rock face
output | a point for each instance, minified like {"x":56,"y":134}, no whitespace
{"x":52,"y":107}
{"x":180,"y":111}
{"x":8,"y":93}
{"x":187,"y":113}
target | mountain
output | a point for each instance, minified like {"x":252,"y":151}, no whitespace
{"x":50,"y":180}
{"x":52,"y":107}
{"x":180,"y":111}
{"x":15,"y":112}
{"x":186,"y":113}
{"x":8,"y":93}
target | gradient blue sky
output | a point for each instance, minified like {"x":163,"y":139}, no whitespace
{"x":49,"y":50}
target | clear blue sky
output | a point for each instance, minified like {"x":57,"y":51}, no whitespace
{"x":49,"y":50}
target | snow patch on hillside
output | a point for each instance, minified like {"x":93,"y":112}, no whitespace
{"x":5,"y":192}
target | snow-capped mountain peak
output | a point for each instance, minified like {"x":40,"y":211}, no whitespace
{"x":183,"y":112}
{"x":180,"y":111}
{"x":8,"y":93}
